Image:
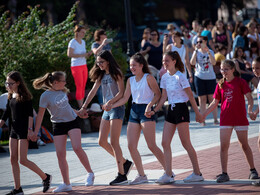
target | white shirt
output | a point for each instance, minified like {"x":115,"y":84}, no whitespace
{"x":78,"y":49}
{"x":182,"y":52}
{"x":141,"y":92}
{"x":174,"y":86}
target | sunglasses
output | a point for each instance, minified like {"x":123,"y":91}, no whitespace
{"x":9,"y":84}
{"x":100,"y":63}
{"x":199,"y":42}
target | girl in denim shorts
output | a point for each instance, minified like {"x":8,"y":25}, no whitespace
{"x":176,"y":88}
{"x":107,"y":74}
{"x":145,"y":93}
{"x":231,"y":90}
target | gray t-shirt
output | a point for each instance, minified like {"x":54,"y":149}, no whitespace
{"x":204,"y":69}
{"x":96,"y":45}
{"x":57,"y":104}
{"x":109,"y":88}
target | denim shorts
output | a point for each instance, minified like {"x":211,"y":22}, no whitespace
{"x":115,"y":113}
{"x":204,"y":87}
{"x":64,"y":127}
{"x":137,"y":114}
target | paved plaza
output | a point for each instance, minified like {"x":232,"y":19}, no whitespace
{"x":204,"y":139}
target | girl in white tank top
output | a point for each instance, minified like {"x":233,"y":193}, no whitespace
{"x":145,"y":92}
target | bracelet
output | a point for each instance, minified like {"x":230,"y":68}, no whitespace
{"x":30,"y":128}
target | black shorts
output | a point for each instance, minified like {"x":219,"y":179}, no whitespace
{"x":178,"y":113}
{"x":18,"y":134}
{"x":204,"y":87}
{"x":65,"y":127}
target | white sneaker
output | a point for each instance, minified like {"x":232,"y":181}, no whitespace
{"x":193,"y":178}
{"x":165,"y":179}
{"x":63,"y":188}
{"x":40,"y":143}
{"x":139,"y":179}
{"x":90,"y":179}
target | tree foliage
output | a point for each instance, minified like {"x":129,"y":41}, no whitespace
{"x":33,"y":48}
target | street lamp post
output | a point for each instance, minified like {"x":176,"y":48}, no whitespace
{"x":130,"y":47}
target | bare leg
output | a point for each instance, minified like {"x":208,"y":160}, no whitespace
{"x":225,"y":135}
{"x":116,"y":126}
{"x":243,"y":140}
{"x":80,"y":102}
{"x":60,"y":145}
{"x":75,"y":137}
{"x":133,"y":135}
{"x":149,"y":134}
{"x":13,"y":145}
{"x":184,"y":133}
{"x":22,"y":153}
{"x":168,"y":132}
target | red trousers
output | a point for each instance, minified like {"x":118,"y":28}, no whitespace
{"x":80,"y":75}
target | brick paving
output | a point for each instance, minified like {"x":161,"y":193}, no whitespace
{"x":209,"y":161}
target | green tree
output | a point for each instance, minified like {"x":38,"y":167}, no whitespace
{"x":32,"y":48}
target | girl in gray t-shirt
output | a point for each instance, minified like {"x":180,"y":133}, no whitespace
{"x":107,"y":74}
{"x":65,"y":122}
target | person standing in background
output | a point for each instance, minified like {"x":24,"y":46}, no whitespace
{"x":78,"y":54}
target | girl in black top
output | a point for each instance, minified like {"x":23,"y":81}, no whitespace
{"x":19,"y":111}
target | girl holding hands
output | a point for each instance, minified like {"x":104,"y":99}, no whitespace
{"x":176,"y":88}
{"x":64,"y":122}
{"x":230,"y":91}
{"x":145,"y":93}
{"x":19,"y":111}
{"x":107,"y":74}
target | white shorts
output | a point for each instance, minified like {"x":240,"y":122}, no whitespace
{"x":237,"y":128}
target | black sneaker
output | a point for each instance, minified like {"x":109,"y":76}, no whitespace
{"x":222,"y":178}
{"x":17,"y":192}
{"x":253,"y":175}
{"x":119,"y":180}
{"x":128,"y":166}
{"x":46,"y":183}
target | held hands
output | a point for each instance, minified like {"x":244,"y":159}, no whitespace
{"x":252,"y":115}
{"x":200,"y":118}
{"x":32,"y":136}
{"x":148,"y":112}
{"x":107,"y":106}
{"x":82,"y":113}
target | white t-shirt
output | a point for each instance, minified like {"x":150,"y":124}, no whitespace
{"x":141,"y":92}
{"x":174,"y":86}
{"x":204,"y":69}
{"x":78,"y":49}
{"x":57,"y":104}
{"x":182,"y":52}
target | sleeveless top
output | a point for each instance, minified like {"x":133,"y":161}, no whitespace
{"x":141,"y":92}
{"x":222,"y":38}
{"x":182,"y":53}
{"x":109,"y":88}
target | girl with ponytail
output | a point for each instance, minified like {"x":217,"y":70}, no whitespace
{"x":176,"y":88}
{"x":230,"y":91}
{"x":64,"y":122}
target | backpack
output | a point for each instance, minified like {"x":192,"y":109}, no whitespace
{"x":46,"y":136}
